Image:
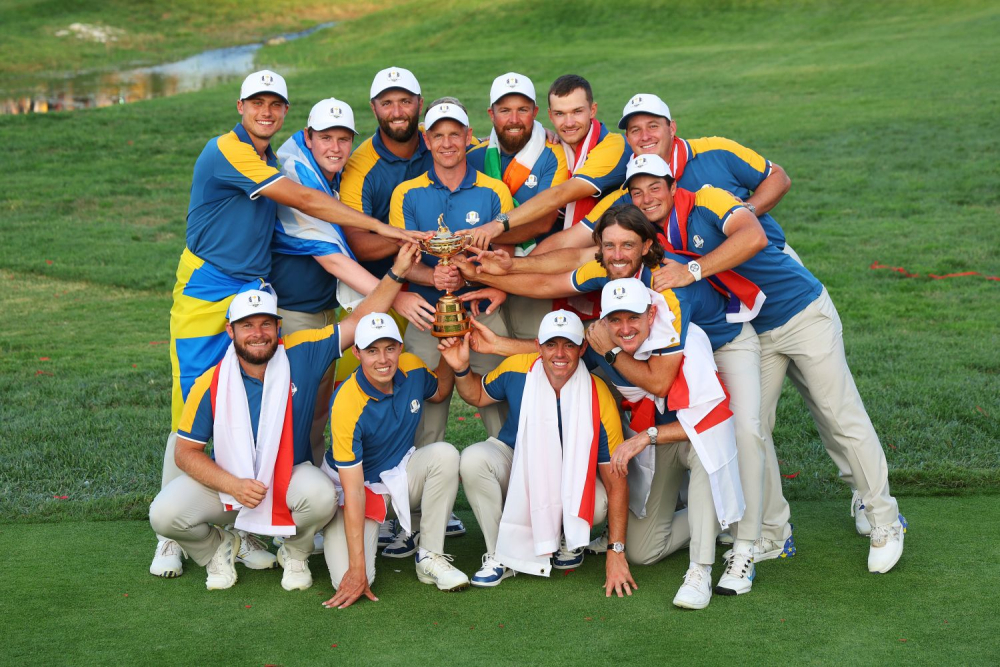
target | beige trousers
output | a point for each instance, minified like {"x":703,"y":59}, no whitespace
{"x":524,"y":315}
{"x":432,"y":478}
{"x":813,"y":341}
{"x":434,"y":421}
{"x":185,"y":509}
{"x":739,"y":368}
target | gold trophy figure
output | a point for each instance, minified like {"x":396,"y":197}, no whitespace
{"x":450,"y":317}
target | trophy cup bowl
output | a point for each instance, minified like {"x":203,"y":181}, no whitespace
{"x":450,"y":317}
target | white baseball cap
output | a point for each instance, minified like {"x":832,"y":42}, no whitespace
{"x":624,"y":294}
{"x":650,"y":165}
{"x":331,"y":112}
{"x":511,"y":83}
{"x":644,"y":103}
{"x":561,"y":324}
{"x":253,"y":302}
{"x":373,"y":327}
{"x":445,"y":110}
{"x":394,"y":77}
{"x":264,"y":81}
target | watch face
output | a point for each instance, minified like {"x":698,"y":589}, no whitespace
{"x":609,"y":356}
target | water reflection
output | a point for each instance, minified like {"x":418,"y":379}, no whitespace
{"x":101,"y":89}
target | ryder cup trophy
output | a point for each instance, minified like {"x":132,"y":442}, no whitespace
{"x":450,"y":318}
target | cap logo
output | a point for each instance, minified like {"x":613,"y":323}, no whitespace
{"x":511,"y":82}
{"x":254,"y":300}
{"x":266,"y":79}
{"x":378,"y":323}
{"x":618,"y":292}
{"x":698,"y":241}
{"x":531,"y":181}
{"x":336,"y":112}
{"x":393,"y":75}
{"x":637,"y":100}
{"x":560,"y":320}
{"x":640,"y":161}
{"x":414,"y":406}
{"x":471,"y":217}
{"x":444,"y":108}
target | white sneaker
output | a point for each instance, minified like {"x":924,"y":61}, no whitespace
{"x":861,"y":523}
{"x":766,"y":549}
{"x":222,"y":568}
{"x":253,"y":553}
{"x":437,"y":569}
{"x":565,"y":558}
{"x":297,"y":576}
{"x":317,"y":543}
{"x":491,"y":573}
{"x":387,"y":532}
{"x":598,"y":545}
{"x":404,"y":545}
{"x":886,"y":546}
{"x":167,"y":560}
{"x":455,"y":526}
{"x":696,"y":591}
{"x":725,"y":539}
{"x":739,"y":575}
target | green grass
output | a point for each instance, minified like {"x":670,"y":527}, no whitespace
{"x":820,"y":607}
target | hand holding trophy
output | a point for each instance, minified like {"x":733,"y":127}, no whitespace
{"x":450,"y":317}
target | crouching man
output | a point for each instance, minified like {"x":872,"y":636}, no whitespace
{"x":256,"y":406}
{"x":535,"y":489}
{"x":374,"y":418}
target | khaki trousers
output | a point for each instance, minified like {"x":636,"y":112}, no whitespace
{"x":739,"y":368}
{"x":434,"y":421}
{"x":293,"y":321}
{"x":185,"y":509}
{"x":485,"y":469}
{"x":432,"y":478}
{"x":524,"y":315}
{"x":813,"y":341}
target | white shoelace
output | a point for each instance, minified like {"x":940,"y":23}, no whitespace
{"x":880,"y":535}
{"x":169,"y":548}
{"x":250,"y":543}
{"x":694,"y":577}
{"x":739,"y":564}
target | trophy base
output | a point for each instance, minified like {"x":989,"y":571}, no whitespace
{"x":451,"y":320}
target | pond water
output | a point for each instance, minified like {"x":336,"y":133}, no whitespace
{"x":100,"y":89}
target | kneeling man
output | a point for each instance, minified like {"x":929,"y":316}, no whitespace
{"x":535,"y":489}
{"x":374,"y":418}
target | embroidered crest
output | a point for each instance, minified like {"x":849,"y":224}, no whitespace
{"x":640,"y":161}
{"x":267,"y":79}
{"x":294,"y":389}
{"x":531,"y":181}
{"x":637,"y":100}
{"x":698,"y":241}
{"x":472,"y":217}
{"x":618,"y":292}
{"x":511,"y":82}
{"x":253,"y":300}
{"x":414,"y":406}
{"x":336,"y":112}
{"x":393,"y":75}
{"x":378,"y":322}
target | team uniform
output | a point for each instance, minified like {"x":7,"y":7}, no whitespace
{"x":486,"y":466}
{"x":797,"y":323}
{"x":376,"y":431}
{"x":524,"y":314}
{"x":185,"y":509}
{"x":416,"y":205}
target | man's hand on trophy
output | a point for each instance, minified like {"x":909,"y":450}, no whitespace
{"x":407,"y":256}
{"x":448,"y":278}
{"x":495,"y":296}
{"x":494,"y":262}
{"x":455,"y":351}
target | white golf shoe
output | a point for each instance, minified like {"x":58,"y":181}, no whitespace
{"x":696,"y":591}
{"x":168,"y":560}
{"x":739,"y":575}
{"x":886,"y":546}
{"x":253,"y":553}
{"x":297,"y":576}
{"x":861,"y":523}
{"x":437,"y":569}
{"x":222,"y":568}
{"x":491,"y":573}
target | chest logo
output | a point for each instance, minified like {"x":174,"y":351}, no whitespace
{"x":294,"y":389}
{"x":531,"y":181}
{"x":472,"y":218}
{"x":698,"y":241}
{"x":414,"y":406}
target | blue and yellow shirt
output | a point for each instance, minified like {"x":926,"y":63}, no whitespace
{"x":606,"y":162}
{"x":789,"y":286}
{"x":373,"y":429}
{"x":698,"y":302}
{"x":310,"y":352}
{"x":593,"y":360}
{"x":229,"y":225}
{"x":371,"y":175}
{"x":506,"y":383}
{"x":418,"y":203}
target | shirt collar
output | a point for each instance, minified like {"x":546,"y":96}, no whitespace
{"x":370,"y":389}
{"x":244,"y":136}
{"x":467,"y":182}
{"x":389,"y":156}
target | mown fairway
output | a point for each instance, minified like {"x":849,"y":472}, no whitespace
{"x":886,"y":118}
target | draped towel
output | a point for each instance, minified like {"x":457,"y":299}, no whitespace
{"x":394,"y":484}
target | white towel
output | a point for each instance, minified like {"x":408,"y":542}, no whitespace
{"x":394,"y":483}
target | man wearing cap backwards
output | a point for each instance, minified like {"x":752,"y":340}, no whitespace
{"x":467,"y":199}
{"x":235,"y":189}
{"x":310,"y":256}
{"x":797,"y":323}
{"x":257,"y":406}
{"x":374,"y":417}
{"x":562,"y":421}
{"x":518,"y":154}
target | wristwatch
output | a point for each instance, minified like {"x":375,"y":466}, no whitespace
{"x":617,"y":547}
{"x":651,"y":432}
{"x":611,"y":355}
{"x":750,"y":207}
{"x":695,"y":269}
{"x":504,"y":220}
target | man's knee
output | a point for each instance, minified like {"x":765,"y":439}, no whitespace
{"x":446,"y":458}
{"x":474,"y":461}
{"x":163,"y":516}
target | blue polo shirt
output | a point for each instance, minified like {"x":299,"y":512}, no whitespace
{"x":698,"y":302}
{"x":375,"y":430}
{"x":310,"y":352}
{"x":593,"y":360}
{"x":606,"y":162}
{"x":506,"y":383}
{"x":371,"y":175}
{"x":788,"y":285}
{"x":229,"y":225}
{"x":418,"y":203}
